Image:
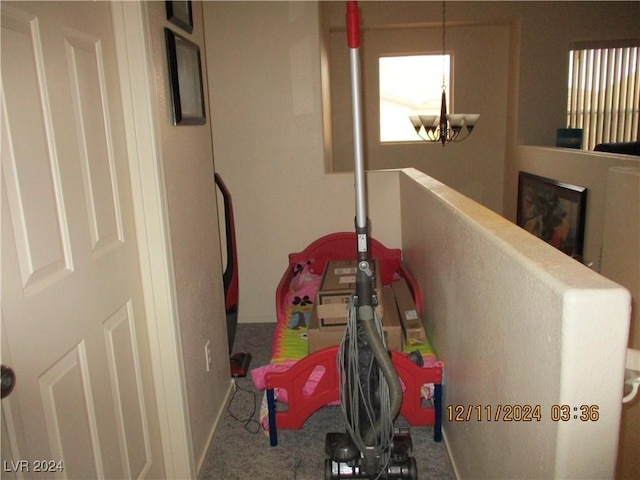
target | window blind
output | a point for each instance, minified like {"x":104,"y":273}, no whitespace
{"x":604,"y":94}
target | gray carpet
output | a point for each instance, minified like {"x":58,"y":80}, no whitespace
{"x":237,"y":453}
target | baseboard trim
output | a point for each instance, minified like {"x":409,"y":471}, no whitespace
{"x":451,"y":459}
{"x":257,"y":319}
{"x":225,"y":405}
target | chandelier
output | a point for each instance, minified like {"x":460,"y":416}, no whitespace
{"x":444,"y":128}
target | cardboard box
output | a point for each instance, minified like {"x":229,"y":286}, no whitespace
{"x":333,"y":310}
{"x":322,"y":336}
{"x":391,"y":321}
{"x":411,"y":323}
{"x":337,"y":286}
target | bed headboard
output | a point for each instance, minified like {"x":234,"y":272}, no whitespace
{"x":342,"y":246}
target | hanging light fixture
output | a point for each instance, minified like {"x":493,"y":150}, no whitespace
{"x":444,"y":128}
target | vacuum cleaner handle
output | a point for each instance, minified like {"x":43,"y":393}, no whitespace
{"x":353,"y":25}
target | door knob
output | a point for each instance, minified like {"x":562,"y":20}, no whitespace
{"x":8,"y":380}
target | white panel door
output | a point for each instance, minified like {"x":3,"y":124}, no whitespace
{"x":73,"y":321}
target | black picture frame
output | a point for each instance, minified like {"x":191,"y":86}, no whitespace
{"x":185,"y":79}
{"x":180,"y":14}
{"x":553,"y":211}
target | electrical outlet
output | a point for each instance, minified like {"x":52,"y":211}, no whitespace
{"x":207,"y":354}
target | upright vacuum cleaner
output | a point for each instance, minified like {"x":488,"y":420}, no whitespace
{"x":370,"y":390}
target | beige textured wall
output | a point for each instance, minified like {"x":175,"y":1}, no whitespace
{"x":612,"y":241}
{"x":516,"y":322}
{"x":187,"y":162}
{"x":266,"y":118}
{"x":621,"y":263}
{"x":587,"y":169}
{"x":480,"y":64}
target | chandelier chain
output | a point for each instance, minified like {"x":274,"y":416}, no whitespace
{"x":443,"y":45}
{"x":444,"y":128}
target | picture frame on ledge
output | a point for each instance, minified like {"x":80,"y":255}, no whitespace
{"x":180,"y":14}
{"x":185,"y":80}
{"x":553,"y":211}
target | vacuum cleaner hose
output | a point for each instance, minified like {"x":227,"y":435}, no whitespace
{"x":365,"y":314}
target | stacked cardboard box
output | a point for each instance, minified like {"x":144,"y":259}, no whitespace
{"x":329,"y":314}
{"x":412,"y":326}
{"x":337,"y":286}
{"x":396,"y":308}
{"x":321,"y":336}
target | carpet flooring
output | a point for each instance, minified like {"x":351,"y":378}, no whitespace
{"x":240,"y":449}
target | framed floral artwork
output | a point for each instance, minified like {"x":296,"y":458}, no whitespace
{"x":553,"y":211}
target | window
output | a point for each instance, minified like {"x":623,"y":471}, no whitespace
{"x":604,"y":93}
{"x":410,"y":85}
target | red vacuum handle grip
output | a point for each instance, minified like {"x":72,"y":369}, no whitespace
{"x":353,"y":25}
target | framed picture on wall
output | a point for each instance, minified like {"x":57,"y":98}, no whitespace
{"x":180,"y":14}
{"x":553,"y":211}
{"x":185,"y":79}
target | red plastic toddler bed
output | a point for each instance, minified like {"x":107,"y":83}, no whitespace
{"x":304,"y":383}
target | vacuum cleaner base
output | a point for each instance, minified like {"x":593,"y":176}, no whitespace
{"x":345,"y":461}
